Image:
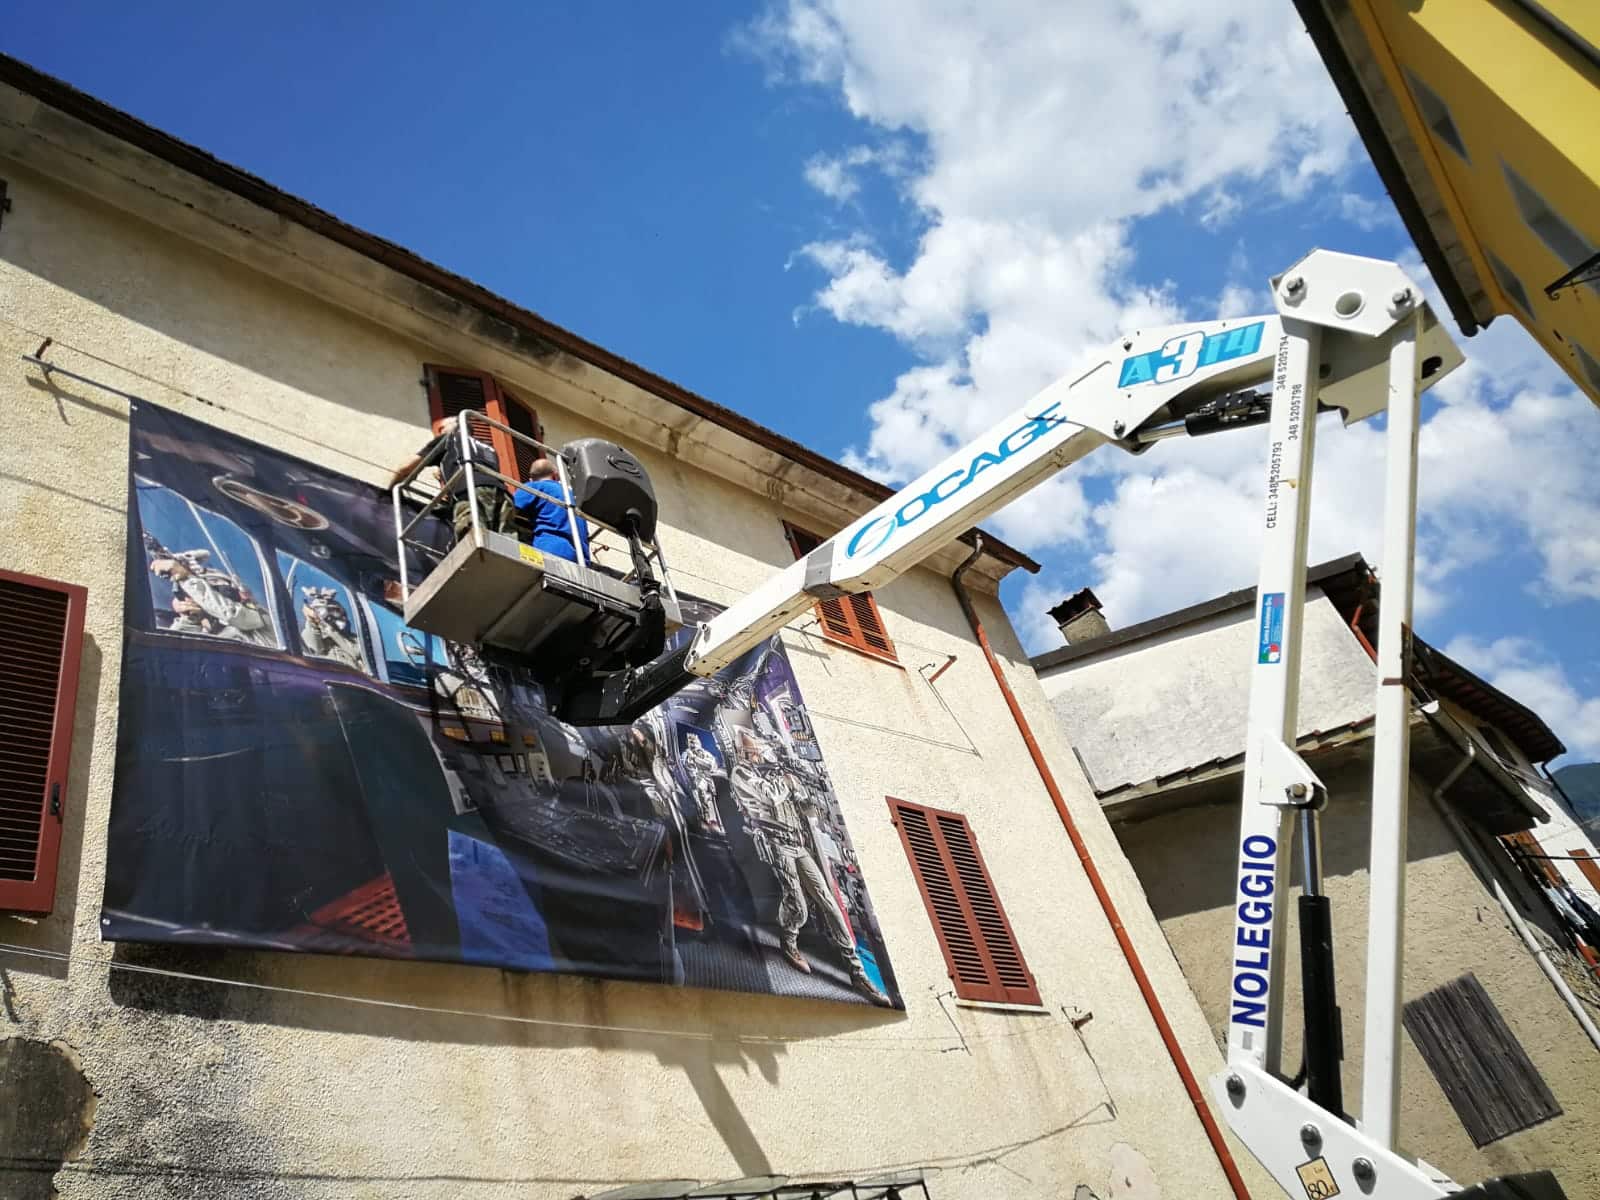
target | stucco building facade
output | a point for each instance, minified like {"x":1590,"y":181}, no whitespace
{"x":157,"y":273}
{"x":1156,"y":714}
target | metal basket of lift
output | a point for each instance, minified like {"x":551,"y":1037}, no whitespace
{"x":492,"y":590}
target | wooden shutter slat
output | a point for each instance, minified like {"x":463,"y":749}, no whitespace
{"x":41,"y":639}
{"x":27,"y":660}
{"x":979,"y":948}
{"x":18,"y":601}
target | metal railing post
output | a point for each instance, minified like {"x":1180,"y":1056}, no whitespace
{"x":666,"y":575}
{"x":400,"y":542}
{"x":572,"y":512}
{"x":462,"y":423}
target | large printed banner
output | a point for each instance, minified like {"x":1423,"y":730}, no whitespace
{"x":299,"y":770}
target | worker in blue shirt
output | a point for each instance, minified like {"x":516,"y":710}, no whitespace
{"x":542,"y":505}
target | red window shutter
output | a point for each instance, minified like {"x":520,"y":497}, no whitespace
{"x":452,"y":390}
{"x":1590,"y":869}
{"x":1533,"y":855}
{"x":525,"y":421}
{"x":853,"y":621}
{"x":41,"y":643}
{"x":979,"y":947}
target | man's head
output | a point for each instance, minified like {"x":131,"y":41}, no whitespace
{"x":542,"y":468}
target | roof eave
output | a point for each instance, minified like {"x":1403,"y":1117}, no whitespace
{"x":100,"y":116}
{"x":1400,"y":169}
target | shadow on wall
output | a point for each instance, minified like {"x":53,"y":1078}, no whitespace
{"x":721,"y":1031}
{"x":47,"y":1108}
{"x":1192,"y":852}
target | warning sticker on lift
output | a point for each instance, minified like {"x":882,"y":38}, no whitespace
{"x":1317,"y":1179}
{"x":529,"y":554}
{"x":1271,"y":649}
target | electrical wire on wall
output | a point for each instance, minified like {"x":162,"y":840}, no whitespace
{"x":49,"y":369}
{"x":914,"y":1043}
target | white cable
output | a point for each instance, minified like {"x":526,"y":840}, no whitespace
{"x":938,"y":1045}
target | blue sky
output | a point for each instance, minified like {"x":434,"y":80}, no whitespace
{"x":877,"y":228}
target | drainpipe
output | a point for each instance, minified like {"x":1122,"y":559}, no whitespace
{"x":1146,"y":989}
{"x":1486,"y":871}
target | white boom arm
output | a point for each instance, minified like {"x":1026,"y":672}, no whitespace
{"x":1351,"y":334}
{"x":1132,"y":395}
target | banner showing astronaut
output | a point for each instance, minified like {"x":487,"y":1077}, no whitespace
{"x":299,"y":770}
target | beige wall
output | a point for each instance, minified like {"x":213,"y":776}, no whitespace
{"x":220,"y":1090}
{"x":1453,"y":925}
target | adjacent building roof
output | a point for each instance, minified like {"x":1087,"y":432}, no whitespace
{"x":197,"y":162}
{"x":1349,"y":584}
{"x":1240,"y":598}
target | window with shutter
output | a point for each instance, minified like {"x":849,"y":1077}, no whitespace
{"x":979,"y":947}
{"x":1481,"y":1067}
{"x":853,"y":621}
{"x":1526,"y":848}
{"x":41,"y":642}
{"x":1587,"y":865}
{"x":452,"y":390}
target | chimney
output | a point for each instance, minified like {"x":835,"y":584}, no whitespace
{"x":1079,"y":618}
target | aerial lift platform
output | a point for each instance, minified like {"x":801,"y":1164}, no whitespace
{"x":1352,"y":335}
{"x":561,"y":619}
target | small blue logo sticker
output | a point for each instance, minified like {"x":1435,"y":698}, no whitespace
{"x":1271,"y":647}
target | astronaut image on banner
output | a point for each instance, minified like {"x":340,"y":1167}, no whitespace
{"x":705,"y":768}
{"x":778,"y":806}
{"x":325,"y":629}
{"x":207,"y":600}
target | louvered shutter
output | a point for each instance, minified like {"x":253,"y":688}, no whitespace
{"x":853,"y":621}
{"x":526,"y":422}
{"x":452,"y":390}
{"x":41,"y":643}
{"x":1478,"y":1062}
{"x":979,"y":946}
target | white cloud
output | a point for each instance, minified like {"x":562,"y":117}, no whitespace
{"x":838,"y":176}
{"x":1520,"y":669}
{"x":1037,"y":154}
{"x":1240,"y":300}
{"x":1220,"y":208}
{"x":1037,"y":150}
{"x":1367,"y":214}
